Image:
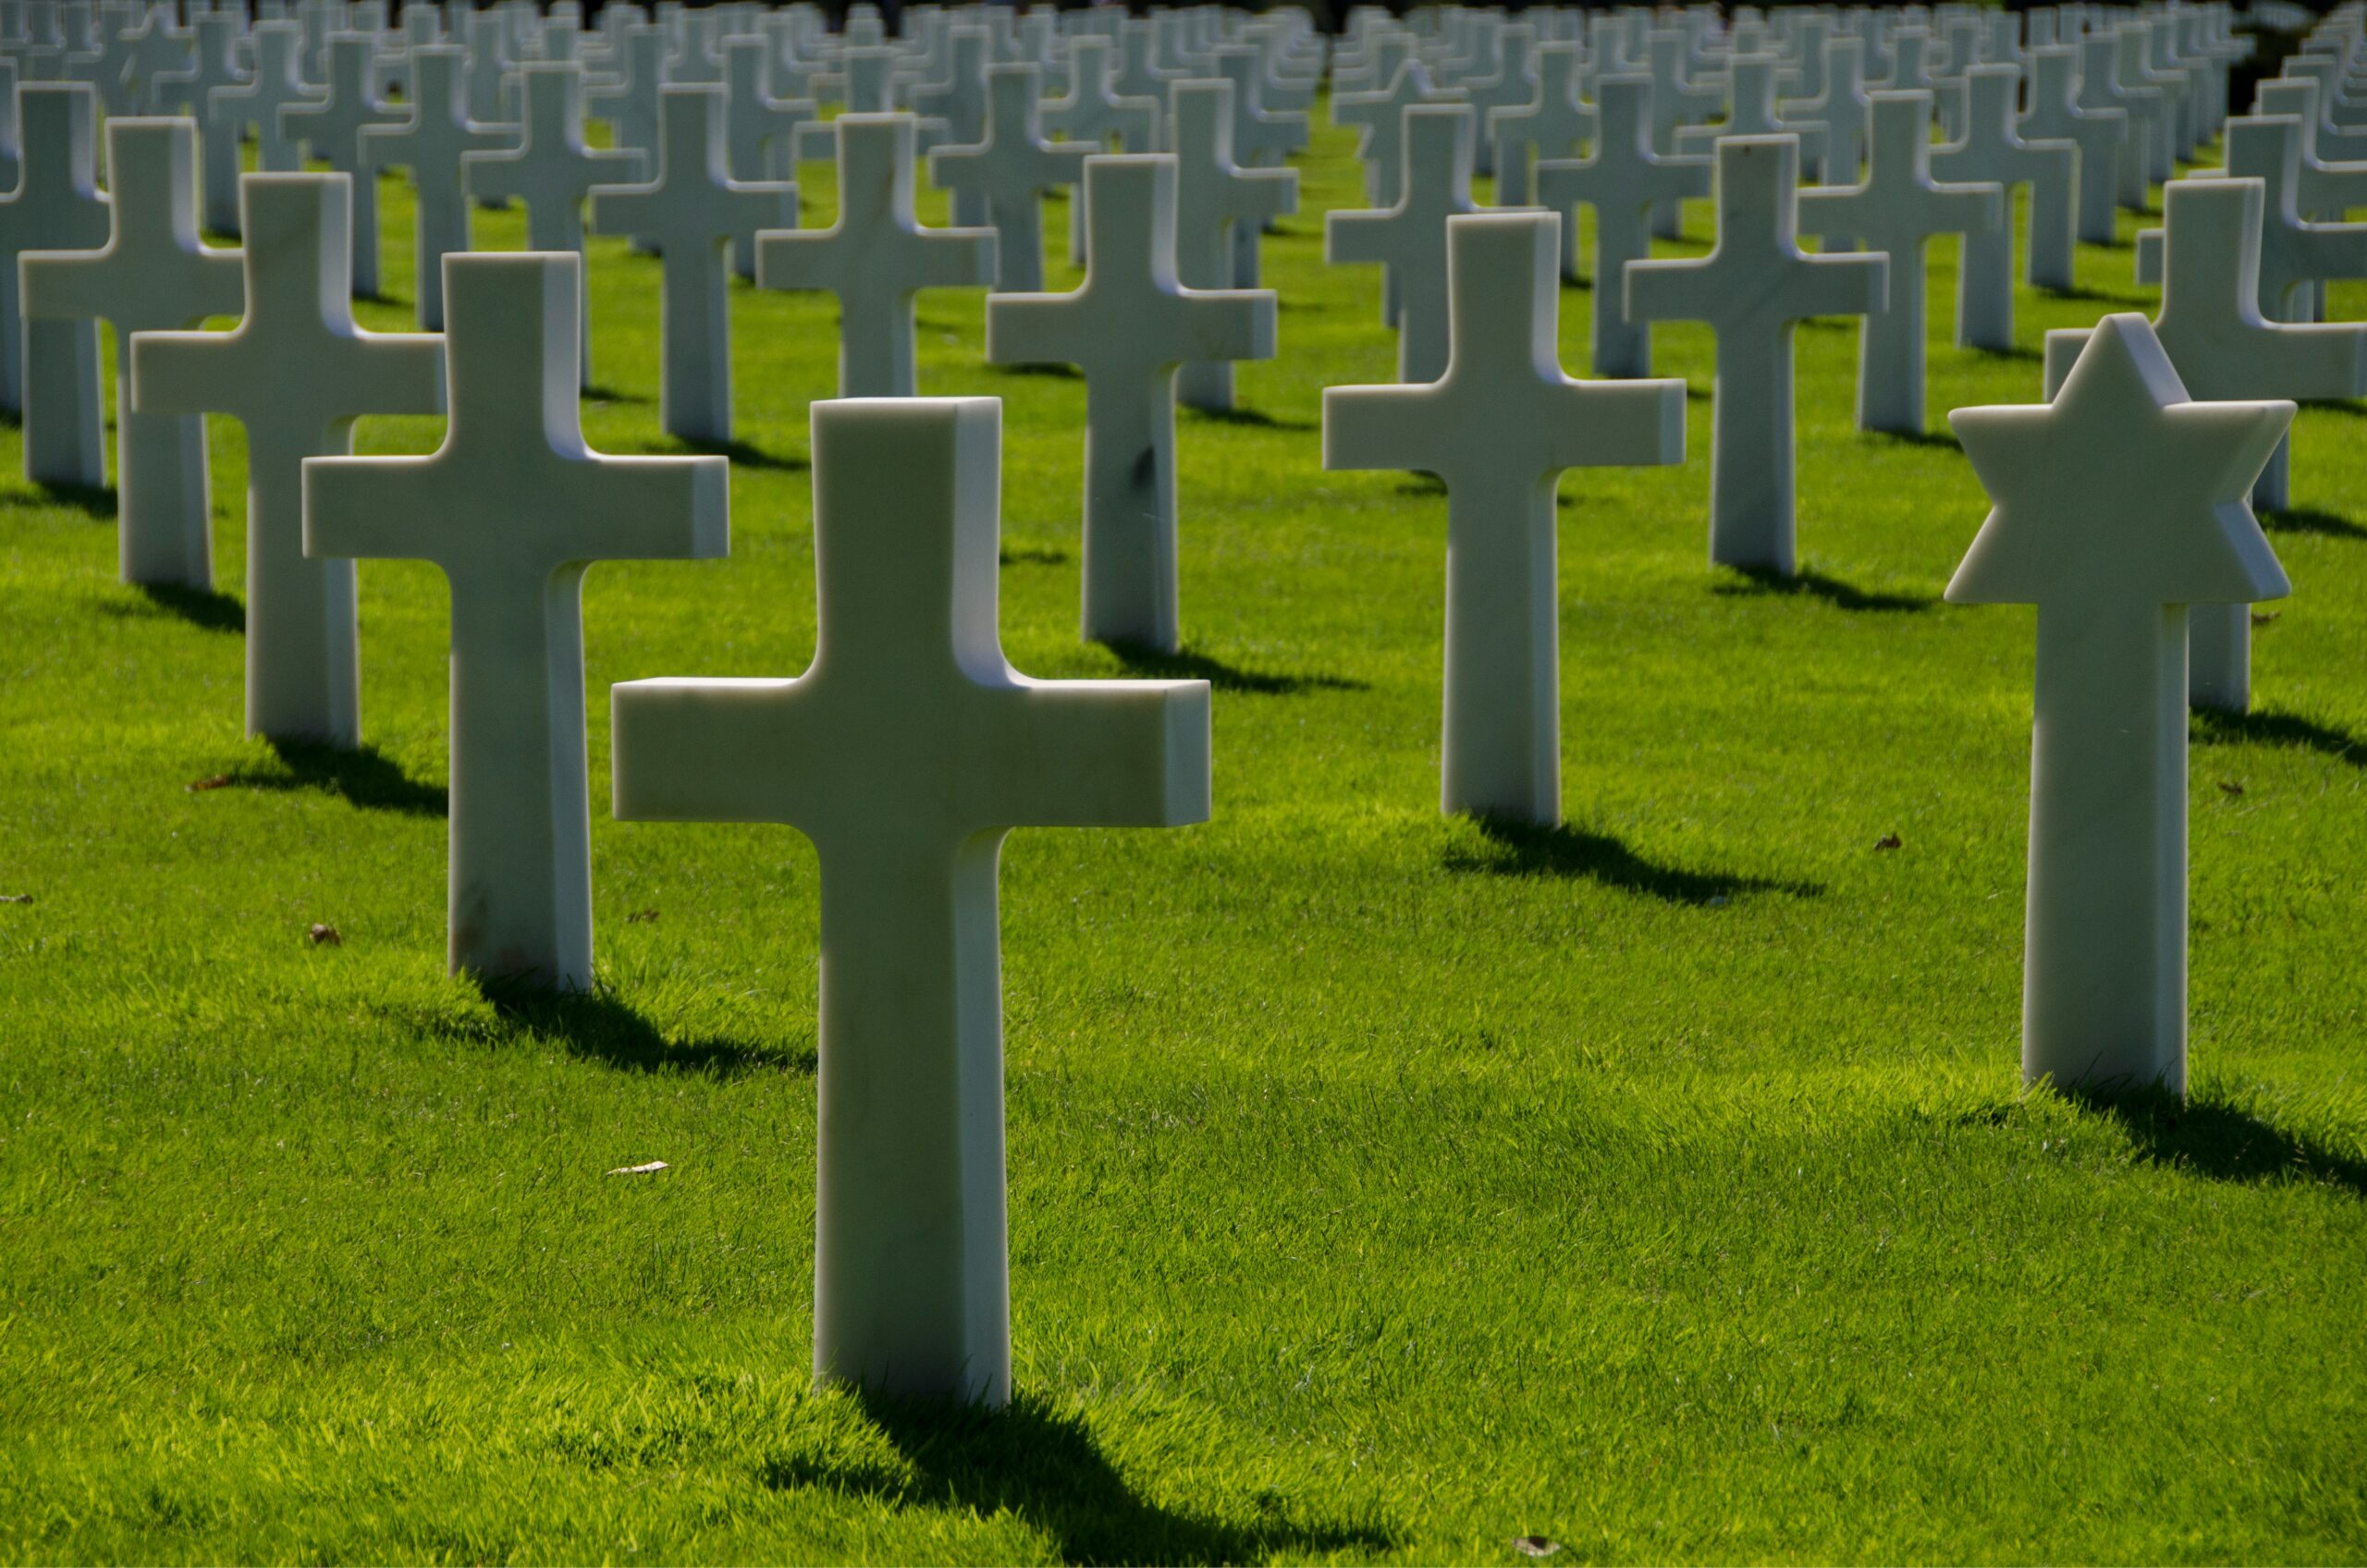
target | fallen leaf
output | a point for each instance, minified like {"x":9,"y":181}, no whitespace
{"x":652,"y":1169}
{"x":1887,"y":841}
{"x":218,"y":781}
{"x":324,"y":935}
{"x":641,"y":917}
{"x":1535,"y":1545}
{"x":2229,"y":787}
{"x":16,"y":897}
{"x":2262,"y":618}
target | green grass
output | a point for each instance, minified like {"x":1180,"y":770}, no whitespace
{"x":1382,"y":1186}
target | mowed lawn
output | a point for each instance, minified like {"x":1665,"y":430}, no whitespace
{"x":1382,"y":1186}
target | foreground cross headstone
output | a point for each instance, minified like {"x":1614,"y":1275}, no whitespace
{"x":331,"y":130}
{"x":432,"y":145}
{"x":1409,"y":239}
{"x":297,"y":372}
{"x":515,"y":507}
{"x":1992,"y":151}
{"x":690,"y":209}
{"x":905,"y":753}
{"x":1752,"y":289}
{"x":1127,"y":327}
{"x":1498,"y":428}
{"x":1213,"y":194}
{"x":153,"y":272}
{"x":56,"y":206}
{"x":1008,"y":171}
{"x":2115,"y":507}
{"x":876,"y":257}
{"x":2226,"y":350}
{"x":551,"y":170}
{"x":1897,"y":210}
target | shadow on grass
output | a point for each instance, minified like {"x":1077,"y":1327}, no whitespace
{"x":2309,"y":520}
{"x":1185,"y":665}
{"x":2349,"y":406}
{"x":599,"y":1026}
{"x":598,"y":394}
{"x":1523,"y":848}
{"x":1419,"y":482}
{"x":1759,"y":581}
{"x":741,"y":455}
{"x":1058,"y":373}
{"x":1033,"y":555}
{"x":2014,"y":351}
{"x":1045,"y":1468}
{"x":2102,"y":296}
{"x":2268,"y":727}
{"x":93,"y":501}
{"x":201,"y":607}
{"x":1942,"y":440}
{"x":364,"y":776}
{"x":1256,"y":418}
{"x":2217,"y":1138}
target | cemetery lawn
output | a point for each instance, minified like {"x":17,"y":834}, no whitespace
{"x":1382,"y":1186}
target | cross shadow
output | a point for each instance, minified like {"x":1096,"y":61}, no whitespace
{"x":2310,"y":520}
{"x":2349,"y":406}
{"x":1940,"y":439}
{"x":2212,"y":1136}
{"x":364,"y":777}
{"x":741,"y":454}
{"x":1421,"y":481}
{"x":1757,"y":581}
{"x":96,"y":502}
{"x":203,"y":607}
{"x":599,"y":394}
{"x":2268,"y":727}
{"x":2102,"y":296}
{"x":1523,"y":848}
{"x":598,"y":1026}
{"x":1058,"y":373}
{"x":1256,"y":418}
{"x":2012,"y":351}
{"x":1699,"y":394}
{"x":1185,"y":665}
{"x":1044,"y":1467}
{"x":1033,"y":555}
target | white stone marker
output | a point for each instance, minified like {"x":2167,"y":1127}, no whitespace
{"x":1212,"y":193}
{"x":277,"y":81}
{"x":56,"y":206}
{"x":1994,"y":150}
{"x":296,"y":373}
{"x":1381,"y":116}
{"x":1897,"y":210}
{"x":1554,"y":123}
{"x":905,"y":753}
{"x":551,"y":170}
{"x":331,"y":130}
{"x":876,"y":257}
{"x":1127,"y":327}
{"x":432,"y":145}
{"x":1498,"y":428}
{"x":2100,"y":91}
{"x":211,"y":69}
{"x":960,"y":100}
{"x":690,"y":211}
{"x":1008,"y":171}
{"x":2226,"y":350}
{"x":2102,"y":135}
{"x":2116,"y":507}
{"x":1841,"y":105}
{"x":1750,"y":290}
{"x":153,"y":272}
{"x":1409,"y":240}
{"x":514,"y":507}
{"x":629,"y":104}
{"x":760,"y":130}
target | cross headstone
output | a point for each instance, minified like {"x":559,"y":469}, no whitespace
{"x":689,"y":212}
{"x":876,"y":257}
{"x":1623,"y":181}
{"x":2172,"y":139}
{"x":514,"y":507}
{"x":1841,"y":106}
{"x":1261,"y":137}
{"x":2333,"y":177}
{"x":431,"y":144}
{"x":2100,"y":91}
{"x":1010,"y":169}
{"x":1897,"y":210}
{"x":905,"y":753}
{"x":1127,"y":327}
{"x":2114,"y":507}
{"x":629,"y":104}
{"x":759,"y":130}
{"x":2056,"y":115}
{"x":1499,"y":428}
{"x":212,"y":68}
{"x":331,"y":130}
{"x":254,"y":106}
{"x":1409,"y":239}
{"x":297,"y":372}
{"x":1750,"y":290}
{"x":1381,"y":116}
{"x":1751,"y":111}
{"x":1211,"y":195}
{"x":1554,"y":123}
{"x":960,"y":100}
{"x":1089,"y":112}
{"x":1677,"y":97}
{"x":2226,"y":350}
{"x":1992,"y":151}
{"x":153,"y":272}
{"x":52,"y":378}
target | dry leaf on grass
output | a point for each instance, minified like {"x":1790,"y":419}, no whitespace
{"x":324,"y":935}
{"x":2229,"y":787}
{"x":641,"y":917}
{"x":1887,"y":841}
{"x":652,"y":1169}
{"x":1535,"y":1545}
{"x":16,"y":897}
{"x":2262,"y":618}
{"x":199,"y":787}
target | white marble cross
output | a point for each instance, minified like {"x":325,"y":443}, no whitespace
{"x":1498,"y":428}
{"x":2226,"y":351}
{"x":1089,"y":112}
{"x":1750,"y":290}
{"x":1261,"y":137}
{"x":153,"y":272}
{"x":1622,"y":180}
{"x":2116,"y":507}
{"x":1751,"y":111}
{"x":689,"y":212}
{"x":760,"y":130}
{"x":1212,"y":193}
{"x":57,"y":206}
{"x":629,"y":104}
{"x":905,"y":753}
{"x":2294,"y":253}
{"x":1677,"y":97}
{"x":1897,"y":210}
{"x":1008,"y":171}
{"x":1127,"y":327}
{"x":2100,"y":92}
{"x":960,"y":100}
{"x":551,"y":170}
{"x":876,"y":257}
{"x":2333,"y":177}
{"x":1554,"y":123}
{"x":1992,"y":150}
{"x":331,"y":127}
{"x":2102,"y":136}
{"x":1409,"y":240}
{"x":211,"y":69}
{"x":514,"y":507}
{"x":1381,"y":116}
{"x":1838,"y":103}
{"x":432,"y":145}
{"x":277,"y":81}
{"x":296,"y":373}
